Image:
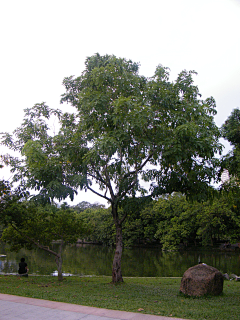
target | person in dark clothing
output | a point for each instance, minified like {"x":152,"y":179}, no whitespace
{"x":23,"y":267}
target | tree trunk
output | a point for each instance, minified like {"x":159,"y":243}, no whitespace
{"x":116,"y":269}
{"x":58,"y":260}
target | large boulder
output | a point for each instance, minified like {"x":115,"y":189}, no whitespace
{"x":202,"y":279}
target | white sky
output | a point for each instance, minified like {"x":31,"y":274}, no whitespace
{"x":44,"y":41}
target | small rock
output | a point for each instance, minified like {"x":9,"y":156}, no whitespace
{"x":226,"y":276}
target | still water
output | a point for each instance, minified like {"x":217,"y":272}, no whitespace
{"x":140,"y":262}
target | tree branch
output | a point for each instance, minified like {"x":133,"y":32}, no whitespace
{"x":139,"y":168}
{"x":46,"y":248}
{"x":109,"y":184}
{"x":129,"y":188}
{"x":99,"y":178}
{"x":123,"y":218}
{"x":99,"y":194}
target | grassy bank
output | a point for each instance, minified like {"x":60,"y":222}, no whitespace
{"x":159,"y":296}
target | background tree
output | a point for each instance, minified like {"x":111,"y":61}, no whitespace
{"x":177,"y":221}
{"x":133,"y":229}
{"x":4,"y":193}
{"x":84,"y":205}
{"x":126,"y":127}
{"x":231,"y":131}
{"x":4,"y":188}
{"x":171,"y":222}
{"x":28,"y":225}
{"x":216,"y":221}
{"x":100,"y":225}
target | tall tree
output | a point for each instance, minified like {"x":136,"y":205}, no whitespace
{"x":127,"y":128}
{"x":231,"y":131}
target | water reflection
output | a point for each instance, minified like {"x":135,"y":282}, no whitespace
{"x":97,"y":260}
{"x":55,"y":274}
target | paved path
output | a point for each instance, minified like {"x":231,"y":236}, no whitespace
{"x":15,"y":307}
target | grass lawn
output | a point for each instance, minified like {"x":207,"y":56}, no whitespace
{"x":159,"y":296}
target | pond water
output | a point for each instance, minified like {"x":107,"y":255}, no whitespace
{"x":87,"y":259}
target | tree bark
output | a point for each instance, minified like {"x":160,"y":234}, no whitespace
{"x":116,"y":269}
{"x":58,"y":260}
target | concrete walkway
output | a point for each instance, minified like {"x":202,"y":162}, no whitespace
{"x":15,"y":307}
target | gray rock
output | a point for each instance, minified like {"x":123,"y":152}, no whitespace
{"x":201,"y":280}
{"x":226,"y":276}
{"x":237,"y":278}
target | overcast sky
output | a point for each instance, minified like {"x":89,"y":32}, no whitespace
{"x":44,"y":41}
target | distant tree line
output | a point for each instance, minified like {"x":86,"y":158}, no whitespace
{"x":171,"y":222}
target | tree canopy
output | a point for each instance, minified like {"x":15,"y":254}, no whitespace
{"x":231,"y":131}
{"x":126,"y":129}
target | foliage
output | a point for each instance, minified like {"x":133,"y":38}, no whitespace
{"x":132,"y":229}
{"x":177,"y":224}
{"x":39,"y":166}
{"x":4,"y":196}
{"x":100,"y":225}
{"x":84,"y":205}
{"x":231,"y":131}
{"x":170,"y":221}
{"x":28,"y":225}
{"x":4,"y":189}
{"x":188,"y":223}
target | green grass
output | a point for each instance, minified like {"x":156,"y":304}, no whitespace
{"x":159,"y":296}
